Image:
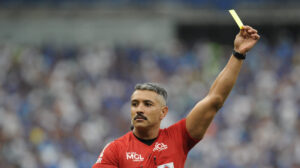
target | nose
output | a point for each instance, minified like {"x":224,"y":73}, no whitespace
{"x":139,"y":113}
{"x":140,"y":109}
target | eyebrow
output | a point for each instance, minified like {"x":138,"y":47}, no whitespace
{"x":136,"y":100}
{"x":148,"y":101}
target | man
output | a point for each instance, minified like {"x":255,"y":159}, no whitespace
{"x":148,"y":146}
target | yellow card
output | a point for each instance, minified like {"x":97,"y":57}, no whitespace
{"x":236,"y":18}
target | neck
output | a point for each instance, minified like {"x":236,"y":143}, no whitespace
{"x":146,"y":133}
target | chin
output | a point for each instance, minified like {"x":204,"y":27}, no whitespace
{"x":140,"y":125}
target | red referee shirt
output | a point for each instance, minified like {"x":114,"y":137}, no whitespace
{"x":169,"y":150}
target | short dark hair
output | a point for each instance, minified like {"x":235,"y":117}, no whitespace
{"x":152,"y":87}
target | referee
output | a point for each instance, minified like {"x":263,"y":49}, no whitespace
{"x":148,"y":146}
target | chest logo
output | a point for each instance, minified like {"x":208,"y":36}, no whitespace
{"x":134,"y":157}
{"x":159,"y":147}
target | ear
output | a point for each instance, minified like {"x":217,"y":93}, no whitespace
{"x":164,"y":112}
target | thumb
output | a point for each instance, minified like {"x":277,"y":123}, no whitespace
{"x":243,"y":32}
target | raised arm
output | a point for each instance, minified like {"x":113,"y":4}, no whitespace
{"x":204,"y":111}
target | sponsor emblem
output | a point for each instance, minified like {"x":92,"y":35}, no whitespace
{"x":134,"y":157}
{"x":159,"y":147}
{"x":167,"y":165}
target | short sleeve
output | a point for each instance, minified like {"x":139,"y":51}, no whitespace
{"x":108,"y":158}
{"x":179,"y":130}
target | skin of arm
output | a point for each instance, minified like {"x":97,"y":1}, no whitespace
{"x":204,"y":111}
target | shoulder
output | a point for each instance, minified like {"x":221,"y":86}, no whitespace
{"x":109,"y":153}
{"x":174,"y":130}
{"x":122,"y":141}
{"x":179,"y":125}
{"x":179,"y":133}
{"x":119,"y":142}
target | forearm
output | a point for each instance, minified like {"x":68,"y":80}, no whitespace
{"x":204,"y":111}
{"x":225,"y":81}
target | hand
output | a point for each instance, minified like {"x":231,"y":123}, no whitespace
{"x":246,"y":39}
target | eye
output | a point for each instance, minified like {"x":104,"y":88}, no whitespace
{"x":134,"y":104}
{"x":148,"y":104}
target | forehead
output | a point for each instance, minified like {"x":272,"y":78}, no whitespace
{"x":145,"y":95}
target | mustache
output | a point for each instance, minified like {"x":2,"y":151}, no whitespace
{"x":140,"y":116}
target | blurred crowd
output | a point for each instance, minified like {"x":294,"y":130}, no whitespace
{"x":59,"y":105}
{"x":217,"y":4}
